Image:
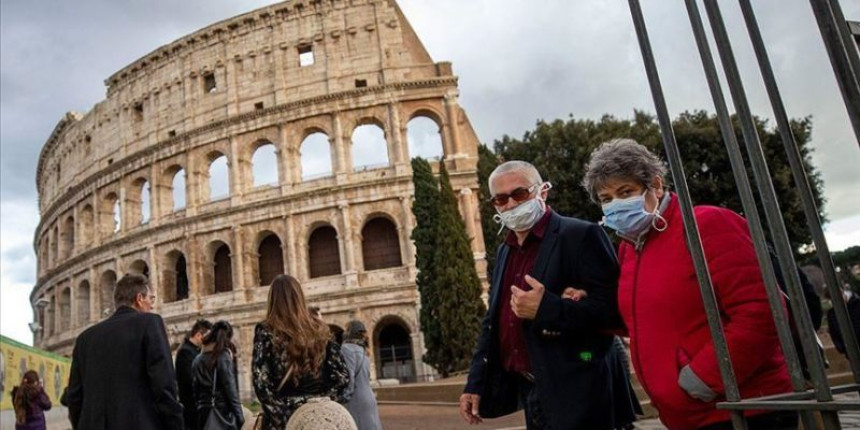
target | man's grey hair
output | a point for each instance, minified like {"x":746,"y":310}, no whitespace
{"x":620,"y":159}
{"x":128,"y":288}
{"x":525,"y":169}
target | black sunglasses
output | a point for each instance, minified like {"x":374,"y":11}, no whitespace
{"x":518,"y":194}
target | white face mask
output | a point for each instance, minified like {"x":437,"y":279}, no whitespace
{"x":525,"y":215}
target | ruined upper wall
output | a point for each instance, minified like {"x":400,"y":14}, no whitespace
{"x":235,"y":66}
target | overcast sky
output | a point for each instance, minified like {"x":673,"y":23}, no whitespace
{"x":518,"y":61}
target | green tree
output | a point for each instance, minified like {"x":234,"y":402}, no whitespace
{"x":458,"y":307}
{"x":560,"y":150}
{"x":487,"y":162}
{"x":425,"y":207}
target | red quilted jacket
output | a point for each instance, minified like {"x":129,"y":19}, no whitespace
{"x":659,"y":299}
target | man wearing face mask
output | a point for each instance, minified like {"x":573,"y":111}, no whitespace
{"x":538,"y":350}
{"x":659,"y":299}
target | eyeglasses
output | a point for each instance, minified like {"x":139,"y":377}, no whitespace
{"x":518,"y":194}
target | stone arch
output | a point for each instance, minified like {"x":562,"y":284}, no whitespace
{"x":139,"y":201}
{"x":270,"y":257}
{"x":174,"y":277}
{"x":55,"y":245}
{"x":174,"y":188}
{"x":107,"y":283}
{"x":264,"y":163}
{"x":139,"y":267}
{"x":219,"y":277}
{"x":380,"y":243}
{"x":369,"y":145}
{"x":217,"y":176}
{"x":50,"y":317}
{"x":393,"y":349}
{"x":44,"y":257}
{"x":68,"y":236}
{"x":424,"y":136}
{"x":82,"y":298}
{"x":323,"y":251}
{"x":315,"y":154}
{"x":110,"y":214}
{"x":86,"y":220}
{"x":65,"y":304}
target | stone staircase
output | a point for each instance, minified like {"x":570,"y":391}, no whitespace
{"x":447,"y":391}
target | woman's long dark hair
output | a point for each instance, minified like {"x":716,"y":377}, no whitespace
{"x":221,"y":336}
{"x":27,"y":391}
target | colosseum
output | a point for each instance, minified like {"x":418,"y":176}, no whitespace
{"x":278,"y":141}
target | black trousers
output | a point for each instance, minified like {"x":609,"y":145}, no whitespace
{"x":782,"y":420}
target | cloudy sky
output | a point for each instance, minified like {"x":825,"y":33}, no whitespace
{"x":518,"y":61}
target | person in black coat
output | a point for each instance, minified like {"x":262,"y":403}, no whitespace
{"x":122,"y":375}
{"x":537,"y":350}
{"x":853,"y":304}
{"x":214,"y":377}
{"x":184,"y":358}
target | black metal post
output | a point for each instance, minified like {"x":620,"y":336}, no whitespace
{"x":750,"y":209}
{"x":836,"y":49}
{"x":845,"y":35}
{"x":802,"y":183}
{"x":694,"y":242}
{"x":773,"y":214}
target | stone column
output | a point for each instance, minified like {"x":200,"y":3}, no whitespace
{"x":468,"y":212}
{"x":292,"y":259}
{"x":155,"y":277}
{"x":349,"y":265}
{"x":193,"y":267}
{"x":280,"y":70}
{"x":95,"y":295}
{"x":234,"y":163}
{"x":396,"y":150}
{"x":341,"y":154}
{"x":237,"y":252}
{"x":408,"y":250}
{"x":192,"y":185}
{"x":155,"y":193}
{"x":452,"y":111}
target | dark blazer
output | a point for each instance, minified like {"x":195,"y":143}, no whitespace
{"x":184,"y":358}
{"x":226,"y":393}
{"x":122,"y":376}
{"x":572,"y":359}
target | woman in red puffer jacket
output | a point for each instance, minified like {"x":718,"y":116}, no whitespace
{"x":660,"y":301}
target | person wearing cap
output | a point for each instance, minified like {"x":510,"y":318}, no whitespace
{"x":539,"y":349}
{"x":361,"y":402}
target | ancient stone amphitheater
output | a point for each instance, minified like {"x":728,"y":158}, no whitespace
{"x":275,"y":141}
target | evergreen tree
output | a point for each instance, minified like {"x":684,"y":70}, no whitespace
{"x":487,"y":162}
{"x":458,"y":305}
{"x":425,"y":207}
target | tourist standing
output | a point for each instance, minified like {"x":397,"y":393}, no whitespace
{"x":30,"y":402}
{"x":214,"y":378}
{"x":361,"y":401}
{"x":294,"y":357}
{"x":184,"y":359}
{"x":122,"y":374}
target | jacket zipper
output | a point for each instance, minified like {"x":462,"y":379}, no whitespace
{"x":636,"y":322}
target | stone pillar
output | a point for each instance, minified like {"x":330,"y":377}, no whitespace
{"x":236,"y":260}
{"x":347,"y":235}
{"x":95,"y":295}
{"x":407,"y":251}
{"x":192,"y":184}
{"x":155,"y":277}
{"x":232,"y":74}
{"x":279,"y":56}
{"x":284,"y":155}
{"x":396,"y":152}
{"x":292,"y":259}
{"x":452,"y":111}
{"x":155,"y":192}
{"x":467,"y":210}
{"x":234,"y":164}
{"x":123,"y":208}
{"x":193,"y":267}
{"x":341,"y":153}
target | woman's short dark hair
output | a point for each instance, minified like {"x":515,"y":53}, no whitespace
{"x":128,"y":288}
{"x":620,"y":159}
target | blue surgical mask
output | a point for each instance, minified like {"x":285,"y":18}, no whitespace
{"x":628,"y":216}
{"x":525,"y":215}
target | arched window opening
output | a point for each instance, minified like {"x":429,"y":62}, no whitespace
{"x":178,"y":190}
{"x":55,"y":245}
{"x":265,"y":165}
{"x":223,"y":271}
{"x":139,"y":267}
{"x":394,"y":350}
{"x":380,"y":244}
{"x":271,"y":260}
{"x":65,"y":310}
{"x":174,"y":279}
{"x":85,"y":232}
{"x":369,"y":148}
{"x":68,"y":237}
{"x":107,"y":283}
{"x":425,"y":138}
{"x":83,"y":299}
{"x":315,"y":153}
{"x":145,"y":202}
{"x":219,"y":178}
{"x":323,"y":252}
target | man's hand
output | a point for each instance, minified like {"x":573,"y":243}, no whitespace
{"x":525,"y":303}
{"x":469,"y":408}
{"x":574,"y":294}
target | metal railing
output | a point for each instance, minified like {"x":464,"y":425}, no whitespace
{"x":846,"y":65}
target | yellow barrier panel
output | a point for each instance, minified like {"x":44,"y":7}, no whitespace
{"x":17,"y":358}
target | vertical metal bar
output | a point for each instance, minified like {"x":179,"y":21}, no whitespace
{"x":750,"y":210}
{"x":802,"y":183}
{"x":694,"y":242}
{"x":845,"y":77}
{"x":773,"y":214}
{"x":845,"y":35}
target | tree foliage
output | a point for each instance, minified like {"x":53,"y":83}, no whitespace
{"x":561,"y":149}
{"x":451,"y":305}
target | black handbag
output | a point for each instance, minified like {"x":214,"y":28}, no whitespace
{"x":216,"y":420}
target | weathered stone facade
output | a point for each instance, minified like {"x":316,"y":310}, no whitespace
{"x":126,"y":187}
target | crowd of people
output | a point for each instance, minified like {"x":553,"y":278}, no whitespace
{"x":561,"y":296}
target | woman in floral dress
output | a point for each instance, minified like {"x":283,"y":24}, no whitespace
{"x":294,"y":356}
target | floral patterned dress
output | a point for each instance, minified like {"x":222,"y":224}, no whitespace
{"x":269,"y":366}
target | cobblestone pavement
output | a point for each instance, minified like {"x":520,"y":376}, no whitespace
{"x":850,"y":419}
